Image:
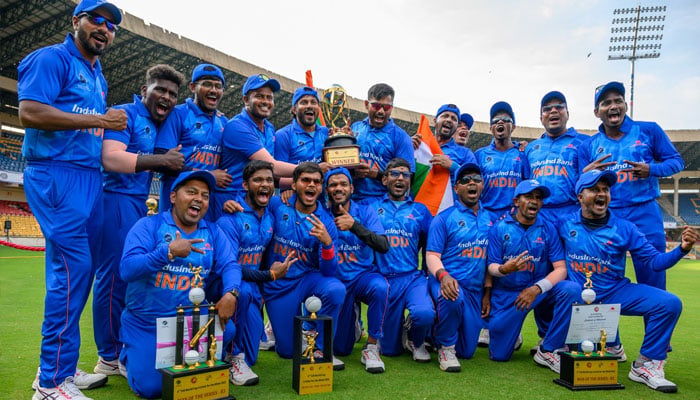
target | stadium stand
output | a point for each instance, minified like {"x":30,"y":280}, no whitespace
{"x":23,"y":222}
{"x":689,"y":208}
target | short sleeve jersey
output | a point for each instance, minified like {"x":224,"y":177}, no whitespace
{"x":294,"y":145}
{"x":354,"y":255}
{"x":502,"y":171}
{"x":250,"y":234}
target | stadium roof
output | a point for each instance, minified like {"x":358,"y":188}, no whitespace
{"x":31,"y":24}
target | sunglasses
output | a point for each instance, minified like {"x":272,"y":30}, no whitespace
{"x":211,"y":85}
{"x":376,"y":106}
{"x":468,"y":178}
{"x":505,"y":120}
{"x":558,"y":107}
{"x":99,"y":20}
{"x":404,"y":174}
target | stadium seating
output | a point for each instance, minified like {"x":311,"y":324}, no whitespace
{"x":23,"y":222}
{"x":689,"y":208}
{"x":11,"y":153}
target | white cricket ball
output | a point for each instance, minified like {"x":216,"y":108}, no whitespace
{"x":196,"y":295}
{"x":191,"y":357}
{"x":587,"y":346}
{"x":313,"y":304}
{"x":588,"y":296}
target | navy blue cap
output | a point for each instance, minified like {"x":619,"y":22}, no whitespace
{"x":447,"y":107}
{"x":502,"y":106}
{"x":259,"y":80}
{"x":528,"y":186}
{"x":467,"y":167}
{"x":336,"y":171}
{"x":601,"y":90}
{"x":304,"y":91}
{"x":592,"y":177}
{"x":467,"y":119}
{"x":200,"y":174}
{"x":92,"y":5}
{"x":551,"y":96}
{"x":207,"y":70}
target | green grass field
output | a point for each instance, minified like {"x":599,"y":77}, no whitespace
{"x":21,"y":310}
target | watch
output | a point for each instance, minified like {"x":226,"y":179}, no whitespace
{"x":234,"y":292}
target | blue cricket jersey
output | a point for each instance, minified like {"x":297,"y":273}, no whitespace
{"x":250,"y":233}
{"x":502,"y":171}
{"x":294,"y":145}
{"x":355,"y":256}
{"x":507,"y":239}
{"x":460,"y":236}
{"x":377,"y":148}
{"x":459,"y":155}
{"x":59,"y":76}
{"x":553,"y":161}
{"x":406,"y":227}
{"x":641,"y":142}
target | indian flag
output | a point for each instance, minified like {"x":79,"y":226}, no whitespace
{"x":431,"y":186}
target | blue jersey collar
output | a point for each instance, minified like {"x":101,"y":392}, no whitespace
{"x":246,"y":117}
{"x":73,"y":50}
{"x":141,"y":108}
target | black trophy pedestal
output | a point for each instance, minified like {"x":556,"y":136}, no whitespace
{"x":594,"y":372}
{"x":201,"y":383}
{"x":313,"y":377}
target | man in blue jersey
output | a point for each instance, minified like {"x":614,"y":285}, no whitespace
{"x":526,"y":261}
{"x":639,"y":153}
{"x":129,"y":162}
{"x":461,"y":136}
{"x":250,"y":232}
{"x":305,"y":228}
{"x":360,"y":234}
{"x":158,"y":260}
{"x":380,"y":141}
{"x":456,"y":258}
{"x":61,"y":93}
{"x":405,"y":224}
{"x":197,"y":126}
{"x":250,"y":136}
{"x":597,"y":240}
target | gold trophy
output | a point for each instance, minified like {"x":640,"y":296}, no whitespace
{"x":340,"y":149}
{"x":152,"y":205}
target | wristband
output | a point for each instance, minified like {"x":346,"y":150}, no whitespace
{"x":327,"y":254}
{"x":441,"y":275}
{"x":544,"y":285}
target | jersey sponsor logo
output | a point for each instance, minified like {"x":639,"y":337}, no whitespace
{"x":538,"y":240}
{"x":638,"y":143}
{"x":600,"y":150}
{"x":461,"y":223}
{"x":168,"y":238}
{"x":573,"y":233}
{"x":506,"y":237}
{"x":380,"y":210}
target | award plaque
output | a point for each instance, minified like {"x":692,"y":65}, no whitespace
{"x":340,"y":149}
{"x":585,"y":367}
{"x":312,"y":368}
{"x":188,"y":378}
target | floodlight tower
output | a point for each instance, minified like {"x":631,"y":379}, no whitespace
{"x":636,"y":33}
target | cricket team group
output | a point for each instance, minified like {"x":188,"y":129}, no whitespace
{"x":528,"y":222}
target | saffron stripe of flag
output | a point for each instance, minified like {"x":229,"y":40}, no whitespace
{"x":431,"y":186}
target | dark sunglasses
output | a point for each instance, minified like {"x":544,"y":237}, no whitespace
{"x":468,"y":178}
{"x":99,"y":20}
{"x":376,"y":106}
{"x":505,"y":120}
{"x":395,"y":174}
{"x":558,"y":107}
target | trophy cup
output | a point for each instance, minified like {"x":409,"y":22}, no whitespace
{"x":584,"y":367}
{"x":152,"y":205}
{"x":188,"y":378}
{"x":310,"y":373}
{"x":340,"y":149}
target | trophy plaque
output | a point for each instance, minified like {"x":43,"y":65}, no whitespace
{"x":340,"y":149}
{"x":188,"y":378}
{"x":585,"y":367}
{"x":312,"y":368}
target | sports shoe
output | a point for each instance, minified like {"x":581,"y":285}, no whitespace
{"x":338,"y":364}
{"x":618,"y":351}
{"x":651,"y":373}
{"x":269,"y":344}
{"x":65,"y":391}
{"x":547,"y":359}
{"x":240,"y":373}
{"x":533,"y":349}
{"x":108,"y":368}
{"x":419,"y":353}
{"x":82,"y":380}
{"x":448,"y":359}
{"x":371,"y":360}
{"x":518,"y":343}
{"x":484,"y":338}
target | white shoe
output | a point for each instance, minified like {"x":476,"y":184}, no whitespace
{"x":240,"y":373}
{"x":270,"y":343}
{"x":65,"y":391}
{"x":448,"y":359}
{"x":484,"y":338}
{"x":618,"y":351}
{"x":518,"y":343}
{"x":420,"y":353}
{"x":82,"y":380}
{"x":652,"y":374}
{"x":108,"y":368}
{"x":548,"y":359}
{"x":371,"y":360}
{"x":534,"y":348}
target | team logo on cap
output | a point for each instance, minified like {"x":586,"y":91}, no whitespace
{"x":535,"y":182}
{"x":264,"y":77}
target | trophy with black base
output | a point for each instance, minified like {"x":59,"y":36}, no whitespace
{"x":312,"y":369}
{"x":586,"y":367}
{"x":340,"y":149}
{"x":190,"y":379}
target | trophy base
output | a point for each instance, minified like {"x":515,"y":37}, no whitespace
{"x":203,"y":382}
{"x":312,"y":377}
{"x":342,"y":156}
{"x":588,"y":372}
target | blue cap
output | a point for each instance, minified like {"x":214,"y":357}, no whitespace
{"x":304,"y":91}
{"x":207,"y":70}
{"x":528,"y":186}
{"x":92,"y":5}
{"x":447,"y":107}
{"x":200,"y":174}
{"x":592,"y":177}
{"x":467,"y":119}
{"x":259,"y":80}
{"x":502,"y":106}
{"x":467,"y":167}
{"x":336,"y":171}
{"x":601,"y":90}
{"x":551,"y":96}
